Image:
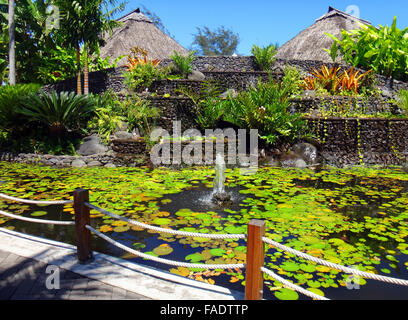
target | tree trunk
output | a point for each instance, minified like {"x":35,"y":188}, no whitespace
{"x":78,"y":56}
{"x":86,"y":71}
{"x":12,"y":44}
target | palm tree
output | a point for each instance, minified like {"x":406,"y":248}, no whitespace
{"x":82,"y":22}
{"x":12,"y":44}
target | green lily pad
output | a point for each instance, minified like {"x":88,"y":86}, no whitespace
{"x":286,"y":294}
{"x":39,"y":213}
{"x":163,"y":250}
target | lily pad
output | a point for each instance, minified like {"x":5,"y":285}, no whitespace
{"x":39,"y":213}
{"x":286,"y":294}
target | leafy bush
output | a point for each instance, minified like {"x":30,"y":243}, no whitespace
{"x":59,"y":112}
{"x":139,"y":114}
{"x":264,"y":57}
{"x":403,"y":100}
{"x":334,"y":82}
{"x":182,"y":64}
{"x":141,"y":72}
{"x":10,"y":98}
{"x":292,"y":80}
{"x":383,"y":49}
{"x":108,"y":115}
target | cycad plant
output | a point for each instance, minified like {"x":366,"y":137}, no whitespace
{"x":10,"y":97}
{"x":60,"y":112}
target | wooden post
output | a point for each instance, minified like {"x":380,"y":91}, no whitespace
{"x":83,"y":235}
{"x":254,"y":260}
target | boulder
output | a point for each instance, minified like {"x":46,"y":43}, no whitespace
{"x":229,"y":93}
{"x":78,"y":163}
{"x":94,"y":163}
{"x":306,"y":152}
{"x":92,"y":145}
{"x":196,"y":76}
{"x":110,"y":165}
{"x":123,"y":135}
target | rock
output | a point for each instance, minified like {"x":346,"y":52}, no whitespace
{"x":123,"y":135}
{"x":92,"y":145}
{"x":78,"y":163}
{"x":306,"y":152}
{"x":110,"y":165}
{"x":94,"y":163}
{"x":229,"y":93}
{"x":405,"y":167}
{"x":308,"y":94}
{"x":300,"y":163}
{"x":196,"y":76}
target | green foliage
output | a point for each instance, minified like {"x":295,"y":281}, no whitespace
{"x":221,"y":42}
{"x":140,"y":115}
{"x":292,"y":80}
{"x":266,"y":108}
{"x":10,"y":98}
{"x":59,"y":112}
{"x":142,"y":76}
{"x":108,"y":115}
{"x":264,"y":57}
{"x":182,"y":64}
{"x":383,"y":49}
{"x":402,"y":100}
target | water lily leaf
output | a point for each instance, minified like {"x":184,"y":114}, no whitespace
{"x":163,"y":250}
{"x":162,"y":221}
{"x":39,"y":213}
{"x":195,"y":257}
{"x":105,"y":228}
{"x":316,"y":291}
{"x":286,"y":294}
{"x":121,"y":229}
{"x":290,"y":266}
{"x":217,"y":252}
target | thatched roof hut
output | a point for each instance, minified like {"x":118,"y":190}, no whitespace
{"x":309,"y":44}
{"x":139,"y":30}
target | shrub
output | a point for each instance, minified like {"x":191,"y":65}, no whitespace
{"x":264,"y":57}
{"x":402,"y":100}
{"x":141,"y":72}
{"x":182,"y":64}
{"x":59,"y":112}
{"x":292,"y":80}
{"x":383,"y":49}
{"x":10,"y":98}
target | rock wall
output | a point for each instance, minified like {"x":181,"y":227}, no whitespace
{"x":362,"y":141}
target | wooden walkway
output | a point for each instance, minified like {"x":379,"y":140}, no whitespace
{"x":25,"y":279}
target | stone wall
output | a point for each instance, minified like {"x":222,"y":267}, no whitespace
{"x":357,"y":141}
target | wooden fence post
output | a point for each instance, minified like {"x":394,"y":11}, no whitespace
{"x":83,"y":235}
{"x":254,"y":260}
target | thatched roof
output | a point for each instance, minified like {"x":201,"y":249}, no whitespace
{"x":138,"y":30}
{"x":309,"y":44}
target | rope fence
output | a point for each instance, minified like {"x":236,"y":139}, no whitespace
{"x":255,"y":246}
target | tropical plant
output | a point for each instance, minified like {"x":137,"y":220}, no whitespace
{"x":292,"y":80}
{"x":10,"y":98}
{"x":182,"y":64}
{"x":139,"y":114}
{"x":59,"y":112}
{"x":265,"y":56}
{"x":108,"y":115}
{"x":142,"y":75}
{"x":402,"y":100}
{"x":83,"y":21}
{"x":139,"y":56}
{"x":383,"y":49}
{"x":350,"y":80}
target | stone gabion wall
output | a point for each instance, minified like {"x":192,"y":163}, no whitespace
{"x":362,"y":141}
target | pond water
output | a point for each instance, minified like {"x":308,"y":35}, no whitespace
{"x":354,"y":217}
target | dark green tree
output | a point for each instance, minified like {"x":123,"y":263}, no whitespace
{"x":221,"y":41}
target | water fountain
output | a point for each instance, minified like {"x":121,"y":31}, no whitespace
{"x":220,"y":196}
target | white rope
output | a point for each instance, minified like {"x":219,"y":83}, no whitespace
{"x":292,"y":285}
{"x":170,"y":231}
{"x":165,"y":261}
{"x":67,"y":223}
{"x":335,"y":265}
{"x":34,"y":201}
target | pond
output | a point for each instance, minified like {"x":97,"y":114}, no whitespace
{"x":355,"y":217}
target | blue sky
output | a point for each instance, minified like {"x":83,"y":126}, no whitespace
{"x":261,"y":22}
